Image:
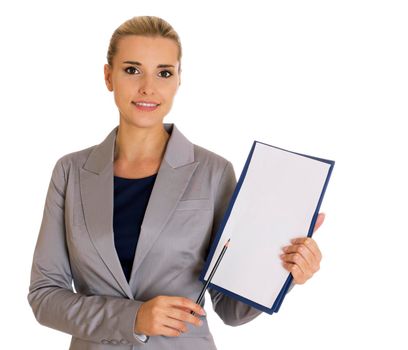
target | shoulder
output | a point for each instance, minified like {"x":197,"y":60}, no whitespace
{"x":210,"y":159}
{"x":73,"y":160}
{"x":214,"y":169}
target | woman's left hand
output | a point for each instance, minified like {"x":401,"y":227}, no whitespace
{"x":302,"y":258}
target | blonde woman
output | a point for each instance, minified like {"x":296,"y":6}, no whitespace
{"x":130,"y":221}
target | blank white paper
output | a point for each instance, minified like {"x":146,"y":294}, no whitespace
{"x":276,"y":203}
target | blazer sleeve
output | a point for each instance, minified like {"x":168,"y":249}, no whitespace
{"x":232,"y":312}
{"x":51,"y":297}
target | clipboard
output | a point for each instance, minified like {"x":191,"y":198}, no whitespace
{"x":278,"y":190}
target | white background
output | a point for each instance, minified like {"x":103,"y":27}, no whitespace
{"x":325,"y":78}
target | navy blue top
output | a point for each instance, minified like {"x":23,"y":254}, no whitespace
{"x":129,"y":205}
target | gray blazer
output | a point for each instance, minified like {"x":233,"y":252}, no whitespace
{"x":75,"y":244}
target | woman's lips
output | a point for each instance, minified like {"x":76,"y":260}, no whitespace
{"x":145,"y":107}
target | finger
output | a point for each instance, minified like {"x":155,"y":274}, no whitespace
{"x":309,"y":243}
{"x":313,"y":257}
{"x":297,"y":274}
{"x":168,"y":326}
{"x":183,"y":308}
{"x":186,"y":303}
{"x":169,"y":331}
{"x":299,"y":260}
{"x":304,"y":251}
{"x":175,"y":324}
{"x":319,"y":221}
{"x":184,"y":316}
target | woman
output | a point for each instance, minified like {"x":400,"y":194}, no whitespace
{"x":145,"y":185}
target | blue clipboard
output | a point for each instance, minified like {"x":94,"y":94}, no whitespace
{"x":278,"y":301}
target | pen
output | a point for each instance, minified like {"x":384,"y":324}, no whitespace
{"x":201,"y":296}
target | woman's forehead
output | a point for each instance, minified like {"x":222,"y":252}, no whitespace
{"x":149,"y":49}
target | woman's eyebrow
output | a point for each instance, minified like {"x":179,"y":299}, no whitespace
{"x":158,"y":66}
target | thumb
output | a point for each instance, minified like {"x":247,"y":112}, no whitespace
{"x":319,"y":221}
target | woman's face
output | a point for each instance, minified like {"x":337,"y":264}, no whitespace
{"x":144,"y":69}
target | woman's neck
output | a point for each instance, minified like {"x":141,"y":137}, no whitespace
{"x":134,"y":145}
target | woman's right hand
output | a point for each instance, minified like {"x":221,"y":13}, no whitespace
{"x":165,"y":315}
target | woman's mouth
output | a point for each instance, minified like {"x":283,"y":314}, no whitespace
{"x":145,"y":106}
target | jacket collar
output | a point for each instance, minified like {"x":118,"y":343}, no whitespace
{"x":179,"y":150}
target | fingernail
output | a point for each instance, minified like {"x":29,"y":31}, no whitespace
{"x":203,"y":312}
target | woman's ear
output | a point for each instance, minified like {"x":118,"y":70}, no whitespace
{"x":107,"y":69}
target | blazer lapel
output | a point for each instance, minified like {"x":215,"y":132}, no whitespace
{"x":168,"y":188}
{"x":96,"y":185}
{"x":172,"y":180}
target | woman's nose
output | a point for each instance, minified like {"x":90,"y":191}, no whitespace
{"x":146,"y":85}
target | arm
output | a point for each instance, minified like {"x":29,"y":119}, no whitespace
{"x":51,"y":297}
{"x":231,"y":311}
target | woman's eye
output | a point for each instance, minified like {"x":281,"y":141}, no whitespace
{"x":130,"y":70}
{"x":166,"y":71}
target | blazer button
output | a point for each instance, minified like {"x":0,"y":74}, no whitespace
{"x":105,"y":341}
{"x":124,"y":341}
{"x":114,"y":341}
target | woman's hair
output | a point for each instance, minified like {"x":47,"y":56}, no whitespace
{"x":151,"y":26}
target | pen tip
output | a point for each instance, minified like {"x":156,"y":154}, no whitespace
{"x":226,"y":244}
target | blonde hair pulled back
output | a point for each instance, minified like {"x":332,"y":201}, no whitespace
{"x":150,"y":26}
